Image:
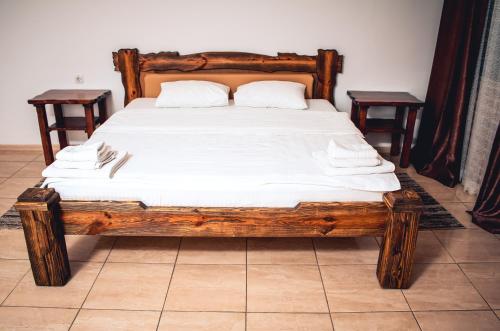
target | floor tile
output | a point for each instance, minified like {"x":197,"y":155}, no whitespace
{"x":458,"y":321}
{"x":5,"y":204}
{"x":416,"y":176}
{"x":464,"y":196}
{"x":207,"y":321}
{"x":13,"y":155}
{"x":486,"y":279}
{"x":355,"y":288}
{"x":12,"y":244}
{"x":280,"y":251}
{"x":363,"y":250}
{"x":116,"y":320}
{"x":41,"y":157}
{"x":131,"y":286}
{"x":212,"y":251}
{"x":88,"y":248}
{"x":8,"y":169}
{"x":387,"y":321}
{"x":459,"y":211}
{"x":71,"y":295}
{"x":32,"y":169}
{"x":13,"y":187}
{"x":288,"y":322}
{"x":438,"y":191}
{"x":430,"y":250}
{"x":470,"y":245}
{"x":442,"y":287}
{"x":145,"y":250}
{"x":469,"y":205}
{"x":207,"y":288}
{"x":35,"y":319}
{"x":11,"y":272}
{"x":285,"y":288}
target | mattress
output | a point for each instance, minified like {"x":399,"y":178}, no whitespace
{"x":224,"y":157}
{"x":313,"y":104}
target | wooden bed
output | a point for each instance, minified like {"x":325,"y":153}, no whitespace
{"x":46,"y":218}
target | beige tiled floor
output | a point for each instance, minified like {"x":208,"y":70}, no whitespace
{"x":256,"y":284}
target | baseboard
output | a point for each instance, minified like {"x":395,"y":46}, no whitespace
{"x":28,"y":148}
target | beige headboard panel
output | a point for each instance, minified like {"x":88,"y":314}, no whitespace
{"x":151,"y":81}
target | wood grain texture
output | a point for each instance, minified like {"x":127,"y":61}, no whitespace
{"x":131,"y":63}
{"x":410,"y":126}
{"x":396,"y":218}
{"x":305,"y":220}
{"x":327,"y":64}
{"x":395,"y":261}
{"x":384,"y":98}
{"x":69,"y":96}
{"x":44,"y":234}
{"x":127,"y":62}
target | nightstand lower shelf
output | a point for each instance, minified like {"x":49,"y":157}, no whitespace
{"x":73,"y":124}
{"x":382,"y":125}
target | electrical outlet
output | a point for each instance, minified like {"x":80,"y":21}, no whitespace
{"x":79,"y":79}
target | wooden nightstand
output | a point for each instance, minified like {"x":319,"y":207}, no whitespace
{"x":57,"y":98}
{"x":362,"y":100}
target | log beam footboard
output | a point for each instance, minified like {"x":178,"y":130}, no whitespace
{"x":395,"y":260}
{"x":46,"y":219}
{"x":44,"y":234}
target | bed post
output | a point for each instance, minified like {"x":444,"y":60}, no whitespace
{"x":328,"y":64}
{"x":44,"y":234}
{"x":126,"y":61}
{"x":395,"y":260}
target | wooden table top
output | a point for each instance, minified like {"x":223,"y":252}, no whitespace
{"x":69,"y":97}
{"x":380,"y":98}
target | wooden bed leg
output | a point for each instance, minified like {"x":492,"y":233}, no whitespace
{"x":44,"y":233}
{"x":395,"y":260}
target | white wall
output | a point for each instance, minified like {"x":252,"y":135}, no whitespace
{"x":388,"y":44}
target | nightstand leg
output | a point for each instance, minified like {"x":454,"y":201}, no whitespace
{"x":63,"y":139}
{"x":363,"y":111}
{"x":103,"y":116}
{"x":89,"y":119}
{"x":354,"y":114}
{"x":410,"y":125}
{"x":396,"y":136}
{"x":45,"y":134}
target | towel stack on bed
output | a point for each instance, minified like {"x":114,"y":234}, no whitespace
{"x":351,"y":155}
{"x":93,"y":160}
{"x":87,"y":157}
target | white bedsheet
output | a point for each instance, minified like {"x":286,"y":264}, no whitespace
{"x":225,"y":157}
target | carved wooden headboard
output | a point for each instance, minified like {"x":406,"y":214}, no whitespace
{"x":323,"y":67}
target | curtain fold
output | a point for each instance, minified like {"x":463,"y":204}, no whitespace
{"x":486,"y":212}
{"x":484,"y":114}
{"x":438,"y":151}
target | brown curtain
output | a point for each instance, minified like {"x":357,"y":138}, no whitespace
{"x":486,"y":212}
{"x":438,"y":150}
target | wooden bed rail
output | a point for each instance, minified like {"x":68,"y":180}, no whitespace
{"x":324,"y":66}
{"x":46,"y":219}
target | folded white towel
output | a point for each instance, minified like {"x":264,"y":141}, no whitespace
{"x":350,"y":163}
{"x":350,"y":147}
{"x":86,"y":152}
{"x":107,"y":171}
{"x":323,"y":161}
{"x":86,"y":165}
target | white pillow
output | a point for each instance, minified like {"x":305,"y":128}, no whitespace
{"x":192,"y":93}
{"x":272,"y":94}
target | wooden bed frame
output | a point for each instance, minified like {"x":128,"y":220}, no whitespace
{"x":46,"y":218}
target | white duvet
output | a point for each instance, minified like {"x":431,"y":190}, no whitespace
{"x":226,"y":157}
